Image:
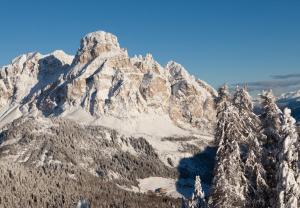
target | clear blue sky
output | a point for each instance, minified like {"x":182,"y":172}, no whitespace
{"x":218,"y":41}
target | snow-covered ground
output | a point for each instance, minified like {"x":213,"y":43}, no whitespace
{"x":161,"y":186}
{"x":154,"y":128}
{"x":155,"y":183}
{"x":153,"y":125}
{"x":9,"y":113}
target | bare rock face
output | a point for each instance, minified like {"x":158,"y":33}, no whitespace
{"x":190,"y":102}
{"x":97,"y":44}
{"x":17,"y":78}
{"x":103,"y":80}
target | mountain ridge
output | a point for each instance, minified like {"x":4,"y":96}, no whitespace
{"x":102,"y":80}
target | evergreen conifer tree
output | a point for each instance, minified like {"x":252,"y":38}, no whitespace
{"x":229,"y":184}
{"x":198,"y":198}
{"x":257,"y":194}
{"x":271,"y":119}
{"x":288,"y":190}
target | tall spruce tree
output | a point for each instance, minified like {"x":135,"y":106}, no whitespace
{"x":242,"y":100}
{"x":229,"y":184}
{"x":198,"y":198}
{"x":288,"y":187}
{"x":257,"y":195}
{"x":271,"y":118}
{"x":223,"y":103}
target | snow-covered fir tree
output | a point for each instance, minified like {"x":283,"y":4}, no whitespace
{"x":271,"y":118}
{"x":198,"y":197}
{"x":257,"y":194}
{"x":257,"y":159}
{"x":242,"y":100}
{"x":229,"y":184}
{"x":223,"y":103}
{"x":223,"y":99}
{"x":251,"y":125}
{"x":251,"y":128}
{"x":288,"y":189}
{"x":198,"y":192}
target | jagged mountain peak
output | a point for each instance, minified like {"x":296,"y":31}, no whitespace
{"x":62,"y":56}
{"x":98,"y":44}
{"x":99,"y":38}
{"x":20,"y":78}
{"x":20,"y":60}
{"x":176,"y":70}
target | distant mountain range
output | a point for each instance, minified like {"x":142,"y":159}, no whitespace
{"x":292,"y":101}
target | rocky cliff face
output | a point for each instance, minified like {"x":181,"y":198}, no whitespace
{"x":19,"y":80}
{"x":103,"y":80}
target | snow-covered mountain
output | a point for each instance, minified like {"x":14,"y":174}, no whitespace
{"x":102,"y":84}
{"x":102,"y":117}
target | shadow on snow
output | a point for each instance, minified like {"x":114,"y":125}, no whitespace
{"x":201,"y":164}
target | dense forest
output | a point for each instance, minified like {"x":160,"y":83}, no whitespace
{"x":257,"y":160}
